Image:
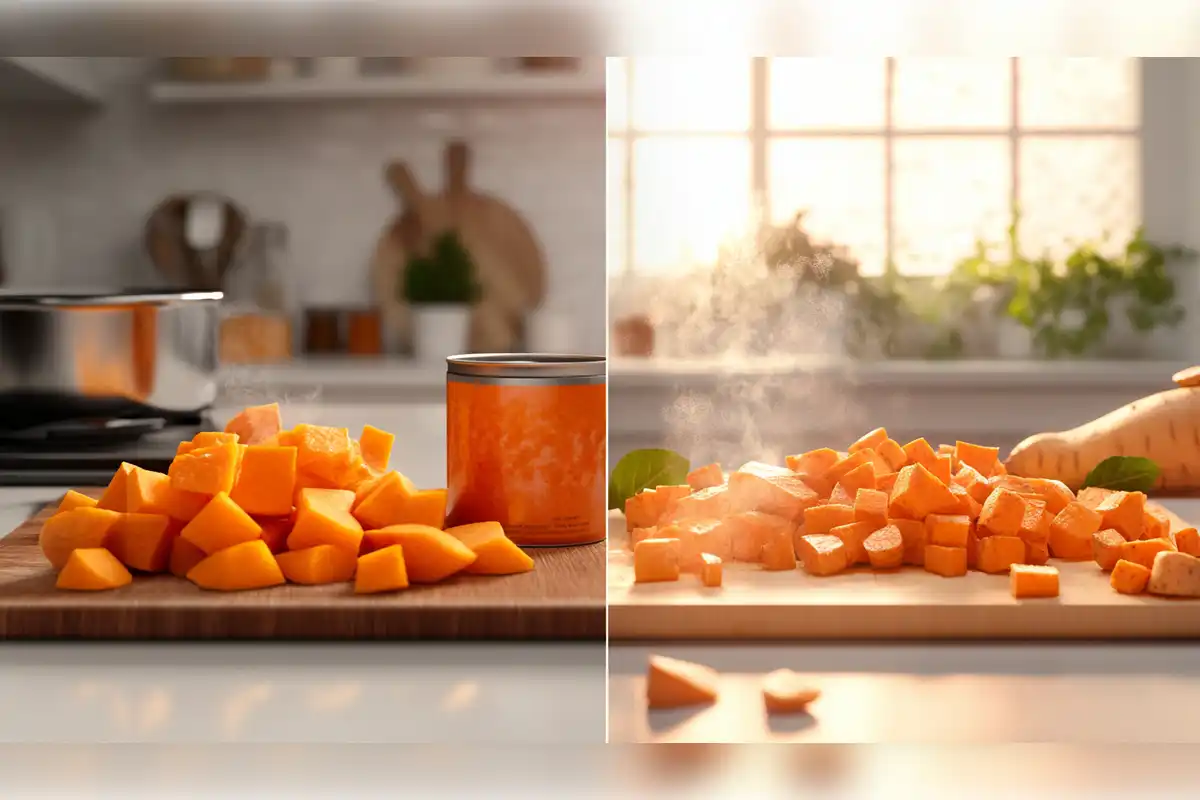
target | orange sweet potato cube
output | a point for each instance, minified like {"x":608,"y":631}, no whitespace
{"x":967,"y":505}
{"x":375,"y":445}
{"x":885,"y":548}
{"x":854,"y":537}
{"x":703,"y":537}
{"x":705,"y":477}
{"x":892,"y":454}
{"x":942,"y":469}
{"x":861,"y":477}
{"x":1155,"y":523}
{"x":849,"y":462}
{"x":1027,"y":580}
{"x":385,"y":502}
{"x":949,"y":562}
{"x":869,"y":441}
{"x":1188,"y":541}
{"x":1037,"y":553}
{"x":870,"y":505}
{"x":146,"y":491}
{"x":1143,"y":551}
{"x":266,"y":482}
{"x":710,"y":572}
{"x":207,"y":470}
{"x":972,"y":549}
{"x":1002,"y":514}
{"x":255,"y":424}
{"x":947,"y":530}
{"x":92,"y":569}
{"x":975,"y":483}
{"x":814,"y":463}
{"x":656,"y":560}
{"x":824,"y":518}
{"x":982,"y":459}
{"x":1106,"y":548}
{"x":322,"y":451}
{"x":749,"y":531}
{"x":184,"y":556}
{"x":73,"y":500}
{"x":840,"y":497}
{"x":430,"y":555}
{"x":247,"y":565}
{"x":778,"y":550}
{"x":920,"y":494}
{"x":822,"y":554}
{"x":383,"y":570}
{"x":211,"y":438}
{"x":1129,"y":578}
{"x":998,"y":553}
{"x":143,"y":541}
{"x":323,"y":517}
{"x":80,"y":528}
{"x":220,"y":524}
{"x":772,"y":490}
{"x":638,"y":534}
{"x":913,"y":533}
{"x":712,"y":503}
{"x":886,"y":482}
{"x":322,"y":564}
{"x":1093,"y":496}
{"x":1071,"y":532}
{"x":115,"y":495}
{"x":1035,"y":525}
{"x":1124,"y":512}
{"x":918,"y":451}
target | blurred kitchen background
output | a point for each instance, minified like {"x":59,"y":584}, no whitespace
{"x":365,"y":217}
{"x":801,"y":249}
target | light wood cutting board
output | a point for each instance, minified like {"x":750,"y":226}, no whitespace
{"x":562,"y":598}
{"x":909,"y":603}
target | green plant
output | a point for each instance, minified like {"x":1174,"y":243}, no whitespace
{"x":790,"y":248}
{"x":445,"y":276}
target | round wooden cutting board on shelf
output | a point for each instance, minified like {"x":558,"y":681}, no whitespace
{"x":509,"y":263}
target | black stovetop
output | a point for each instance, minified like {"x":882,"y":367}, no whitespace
{"x":88,"y":452}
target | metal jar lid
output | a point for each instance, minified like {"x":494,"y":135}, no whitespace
{"x":518,"y":367}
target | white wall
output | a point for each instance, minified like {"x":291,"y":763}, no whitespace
{"x":316,"y":167}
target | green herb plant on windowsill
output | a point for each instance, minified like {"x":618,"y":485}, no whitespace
{"x":443,"y":277}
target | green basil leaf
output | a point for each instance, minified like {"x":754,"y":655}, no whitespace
{"x":1123,"y":474}
{"x":639,"y":470}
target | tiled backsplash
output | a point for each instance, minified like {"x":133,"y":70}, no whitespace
{"x":316,"y":167}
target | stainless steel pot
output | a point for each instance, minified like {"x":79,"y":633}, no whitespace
{"x":78,"y":354}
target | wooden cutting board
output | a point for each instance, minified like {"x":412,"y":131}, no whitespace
{"x":562,"y":598}
{"x":906,"y":604}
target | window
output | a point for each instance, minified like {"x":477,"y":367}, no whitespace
{"x":904,"y":161}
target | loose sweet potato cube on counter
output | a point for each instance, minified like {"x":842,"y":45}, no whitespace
{"x":671,"y":683}
{"x":710,"y":570}
{"x":822,"y":554}
{"x":375,"y":445}
{"x":998,"y":553}
{"x":1071,"y":532}
{"x":982,"y":459}
{"x":854,"y":537}
{"x":1188,"y":541}
{"x":255,"y":424}
{"x":814,"y":463}
{"x":248,"y":565}
{"x":266,"y":482}
{"x":1143,"y":551}
{"x":432,"y":555}
{"x":869,"y":440}
{"x":495,"y":553}
{"x":947,"y":530}
{"x":785,"y":692}
{"x":1106,"y":548}
{"x":772,"y":490}
{"x":750,"y":530}
{"x":143,"y":541}
{"x":1030,"y":581}
{"x":885,"y":548}
{"x":949,"y":562}
{"x":92,"y":569}
{"x":219,"y":525}
{"x":1002,"y":514}
{"x":207,"y":470}
{"x":1035,"y":525}
{"x":323,"y":517}
{"x":705,"y":477}
{"x":383,"y":570}
{"x":919,"y":451}
{"x":317,"y":565}
{"x":184,"y":556}
{"x":824,"y":518}
{"x":870,"y":505}
{"x":78,"y":529}
{"x":1125,"y":513}
{"x":1128,"y":577}
{"x":73,"y":500}
{"x":919,"y":493}
{"x":656,"y":560}
{"x":912,"y":532}
{"x":115,"y":494}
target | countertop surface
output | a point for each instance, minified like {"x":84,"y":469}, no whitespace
{"x":295,"y":693}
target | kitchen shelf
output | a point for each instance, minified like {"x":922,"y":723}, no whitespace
{"x":48,"y":80}
{"x":586,"y":84}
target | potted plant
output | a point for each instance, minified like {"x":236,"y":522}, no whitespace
{"x":441,"y":288}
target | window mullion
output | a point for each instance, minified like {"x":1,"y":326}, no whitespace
{"x":627,"y":167}
{"x":759,"y":93}
{"x":889,"y":169}
{"x":1014,"y":155}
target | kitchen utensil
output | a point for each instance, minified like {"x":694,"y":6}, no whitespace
{"x":562,"y":598}
{"x":168,"y":239}
{"x":78,"y":351}
{"x":908,"y":604}
{"x":218,"y":69}
{"x":509,"y":263}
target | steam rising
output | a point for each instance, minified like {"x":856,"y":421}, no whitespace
{"x":241,"y":387}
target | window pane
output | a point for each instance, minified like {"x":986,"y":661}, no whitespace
{"x":827,"y":92}
{"x":948,"y":193}
{"x":841,"y":184}
{"x":691,"y":94}
{"x":689,"y":195}
{"x":1077,"y":189}
{"x":617,"y":202}
{"x":952,"y":93}
{"x":615,"y":93}
{"x":1079,"y":92}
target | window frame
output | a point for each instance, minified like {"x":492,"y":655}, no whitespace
{"x":760,"y":135}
